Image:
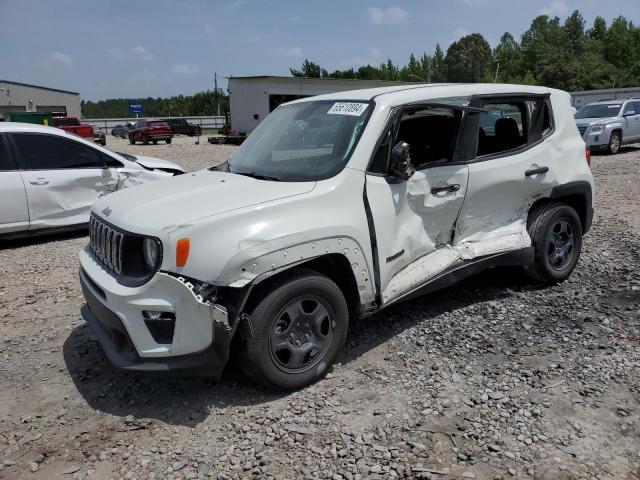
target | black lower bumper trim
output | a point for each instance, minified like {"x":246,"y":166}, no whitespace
{"x":117,"y":345}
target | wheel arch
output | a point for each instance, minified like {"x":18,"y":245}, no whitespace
{"x":335,"y":266}
{"x":578,"y":196}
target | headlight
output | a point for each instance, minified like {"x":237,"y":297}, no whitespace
{"x":151,"y":253}
{"x":597,"y":128}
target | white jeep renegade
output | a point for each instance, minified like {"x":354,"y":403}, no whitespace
{"x":336,"y":206}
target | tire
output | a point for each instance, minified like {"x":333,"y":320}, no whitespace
{"x":614,"y":143}
{"x":168,"y":141}
{"x":556,"y":236}
{"x":278,"y":347}
{"x":155,"y":142}
{"x":131,"y":140}
{"x":145,"y":140}
{"x":103,"y":142}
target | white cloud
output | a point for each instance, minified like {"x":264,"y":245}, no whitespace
{"x":182,"y":69}
{"x":374,"y":56}
{"x":291,"y":51}
{"x":141,"y":77}
{"x":57,"y":59}
{"x":141,"y":52}
{"x":394,"y":14}
{"x":236,"y":4}
{"x":557,"y":8}
{"x":138,"y":52}
{"x":460,"y":32}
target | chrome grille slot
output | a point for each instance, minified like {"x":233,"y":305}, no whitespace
{"x":106,"y":244}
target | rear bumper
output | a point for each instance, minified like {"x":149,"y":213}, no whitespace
{"x":201,"y":336}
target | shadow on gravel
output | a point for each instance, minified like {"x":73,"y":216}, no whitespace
{"x":368,"y":333}
{"x":189,"y":400}
{"x":10,"y":243}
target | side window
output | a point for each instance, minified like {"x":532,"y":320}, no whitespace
{"x":636,"y":107}
{"x":630,"y":108}
{"x":503,"y":127}
{"x":6,"y":162}
{"x":430,"y":133}
{"x":49,"y":152}
{"x":111,"y":162}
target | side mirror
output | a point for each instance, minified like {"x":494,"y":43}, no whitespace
{"x":400,"y":165}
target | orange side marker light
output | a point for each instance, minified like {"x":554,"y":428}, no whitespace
{"x":182,"y":252}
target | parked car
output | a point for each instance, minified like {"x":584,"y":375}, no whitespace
{"x":608,"y":125}
{"x":99,"y":136}
{"x":49,"y":178}
{"x":336,"y":206}
{"x":75,"y":126}
{"x":146,"y":131}
{"x":181,"y":126}
{"x":121,"y":131}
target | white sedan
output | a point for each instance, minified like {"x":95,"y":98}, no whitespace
{"x":50,"y":178}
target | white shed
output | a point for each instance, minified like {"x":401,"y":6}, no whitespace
{"x":252,"y":98}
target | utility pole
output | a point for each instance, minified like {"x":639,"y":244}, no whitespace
{"x":215,"y":86}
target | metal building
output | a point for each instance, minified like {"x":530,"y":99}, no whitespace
{"x":252,"y":98}
{"x":22,"y":97}
{"x":580,"y":99}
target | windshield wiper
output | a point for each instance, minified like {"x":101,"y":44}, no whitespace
{"x":258,"y":176}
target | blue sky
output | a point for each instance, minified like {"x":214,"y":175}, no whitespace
{"x":140,"y":48}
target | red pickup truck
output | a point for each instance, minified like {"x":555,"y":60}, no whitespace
{"x":74,"y":125}
{"x":147,"y":131}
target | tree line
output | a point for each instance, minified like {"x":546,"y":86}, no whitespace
{"x":201,"y":103}
{"x":565,"y":55}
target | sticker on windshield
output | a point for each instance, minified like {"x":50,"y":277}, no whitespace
{"x":348,"y":108}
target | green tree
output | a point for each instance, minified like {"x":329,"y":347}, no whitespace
{"x":469,"y":59}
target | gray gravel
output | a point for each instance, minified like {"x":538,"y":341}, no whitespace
{"x":492,"y":378}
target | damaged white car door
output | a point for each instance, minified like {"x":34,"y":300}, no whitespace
{"x":415,"y":218}
{"x":511,"y":170}
{"x":62,"y":178}
{"x":14,"y":212}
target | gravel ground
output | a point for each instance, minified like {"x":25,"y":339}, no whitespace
{"x":492,"y":378}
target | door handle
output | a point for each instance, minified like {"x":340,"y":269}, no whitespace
{"x":448,"y":188}
{"x":40,"y":181}
{"x":536,"y":171}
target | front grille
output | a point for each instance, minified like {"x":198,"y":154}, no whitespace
{"x":582,"y":129}
{"x":107,"y":244}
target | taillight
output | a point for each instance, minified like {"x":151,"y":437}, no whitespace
{"x":587,"y":154}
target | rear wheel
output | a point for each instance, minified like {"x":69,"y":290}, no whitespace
{"x":155,"y":142}
{"x":168,"y":141}
{"x":295,"y":331}
{"x":145,"y":140}
{"x":131,"y":140}
{"x":614,"y":143}
{"x":556,"y":236}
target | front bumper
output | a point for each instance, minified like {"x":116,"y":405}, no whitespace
{"x":201,"y":335}
{"x":596,"y":141}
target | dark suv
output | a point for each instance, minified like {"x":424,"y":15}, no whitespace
{"x":181,"y":126}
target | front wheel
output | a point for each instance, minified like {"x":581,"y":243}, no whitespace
{"x":295,"y":331}
{"x":168,"y":141}
{"x":131,"y":140}
{"x":556,"y":236}
{"x":614,"y":143}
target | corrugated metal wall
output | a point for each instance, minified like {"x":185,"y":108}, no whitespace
{"x":249,"y":96}
{"x":37,"y":99}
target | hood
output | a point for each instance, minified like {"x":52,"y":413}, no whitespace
{"x":184,"y":199}
{"x":152,"y":162}
{"x":589,"y":121}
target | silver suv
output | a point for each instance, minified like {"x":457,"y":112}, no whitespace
{"x":609,"y":124}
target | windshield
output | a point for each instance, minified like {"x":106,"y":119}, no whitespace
{"x":302,"y":142}
{"x":602,"y":110}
